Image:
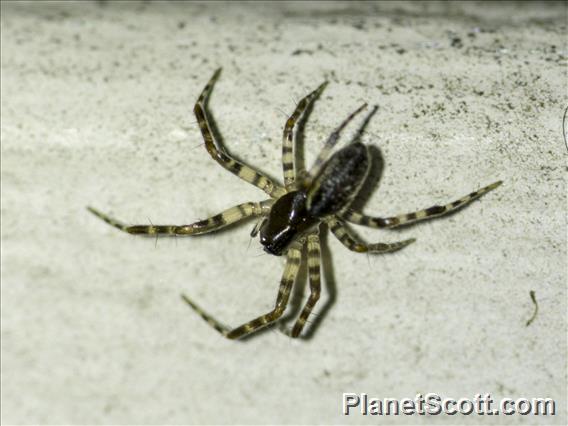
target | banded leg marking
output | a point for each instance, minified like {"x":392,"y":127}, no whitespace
{"x":290,"y":272}
{"x":224,"y":330}
{"x":287,"y":137}
{"x":219,"y":153}
{"x":218,"y":221}
{"x":353,"y":243}
{"x":315,"y":284}
{"x":332,"y":141}
{"x":404,"y":219}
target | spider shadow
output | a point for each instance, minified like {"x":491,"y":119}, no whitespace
{"x":371,"y":183}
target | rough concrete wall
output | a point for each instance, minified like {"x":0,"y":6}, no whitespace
{"x":97,"y":110}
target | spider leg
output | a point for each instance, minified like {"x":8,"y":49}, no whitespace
{"x":332,"y":141}
{"x":208,"y":318}
{"x":287,"y":136}
{"x":218,"y":221}
{"x":315,"y":284}
{"x":408,"y":218}
{"x":290,"y":272}
{"x":219,"y":153}
{"x":353,"y":243}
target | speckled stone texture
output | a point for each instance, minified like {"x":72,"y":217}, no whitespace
{"x":97,"y":105}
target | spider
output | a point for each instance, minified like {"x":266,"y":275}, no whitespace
{"x":291,"y":218}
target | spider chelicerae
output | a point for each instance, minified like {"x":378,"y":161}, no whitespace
{"x":290,"y":219}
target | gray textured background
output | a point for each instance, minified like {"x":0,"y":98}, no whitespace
{"x":96,"y":109}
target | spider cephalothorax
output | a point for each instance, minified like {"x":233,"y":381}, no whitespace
{"x":290,"y":219}
{"x":287,"y":220}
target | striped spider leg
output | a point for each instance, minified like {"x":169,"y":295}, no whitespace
{"x":288,"y":158}
{"x":411,"y":218}
{"x":353,"y":243}
{"x":214,"y":223}
{"x":219,"y":153}
{"x":332,"y":140}
{"x":293,"y":258}
{"x":325,"y":152}
{"x":314,"y":277}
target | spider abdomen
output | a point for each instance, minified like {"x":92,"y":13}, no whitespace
{"x":339,"y":181}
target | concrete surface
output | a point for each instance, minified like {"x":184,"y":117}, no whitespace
{"x":97,"y":110}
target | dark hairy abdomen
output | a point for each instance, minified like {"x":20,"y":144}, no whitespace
{"x":339,"y":181}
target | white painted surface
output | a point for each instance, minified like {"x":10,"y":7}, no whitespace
{"x":97,"y":110}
